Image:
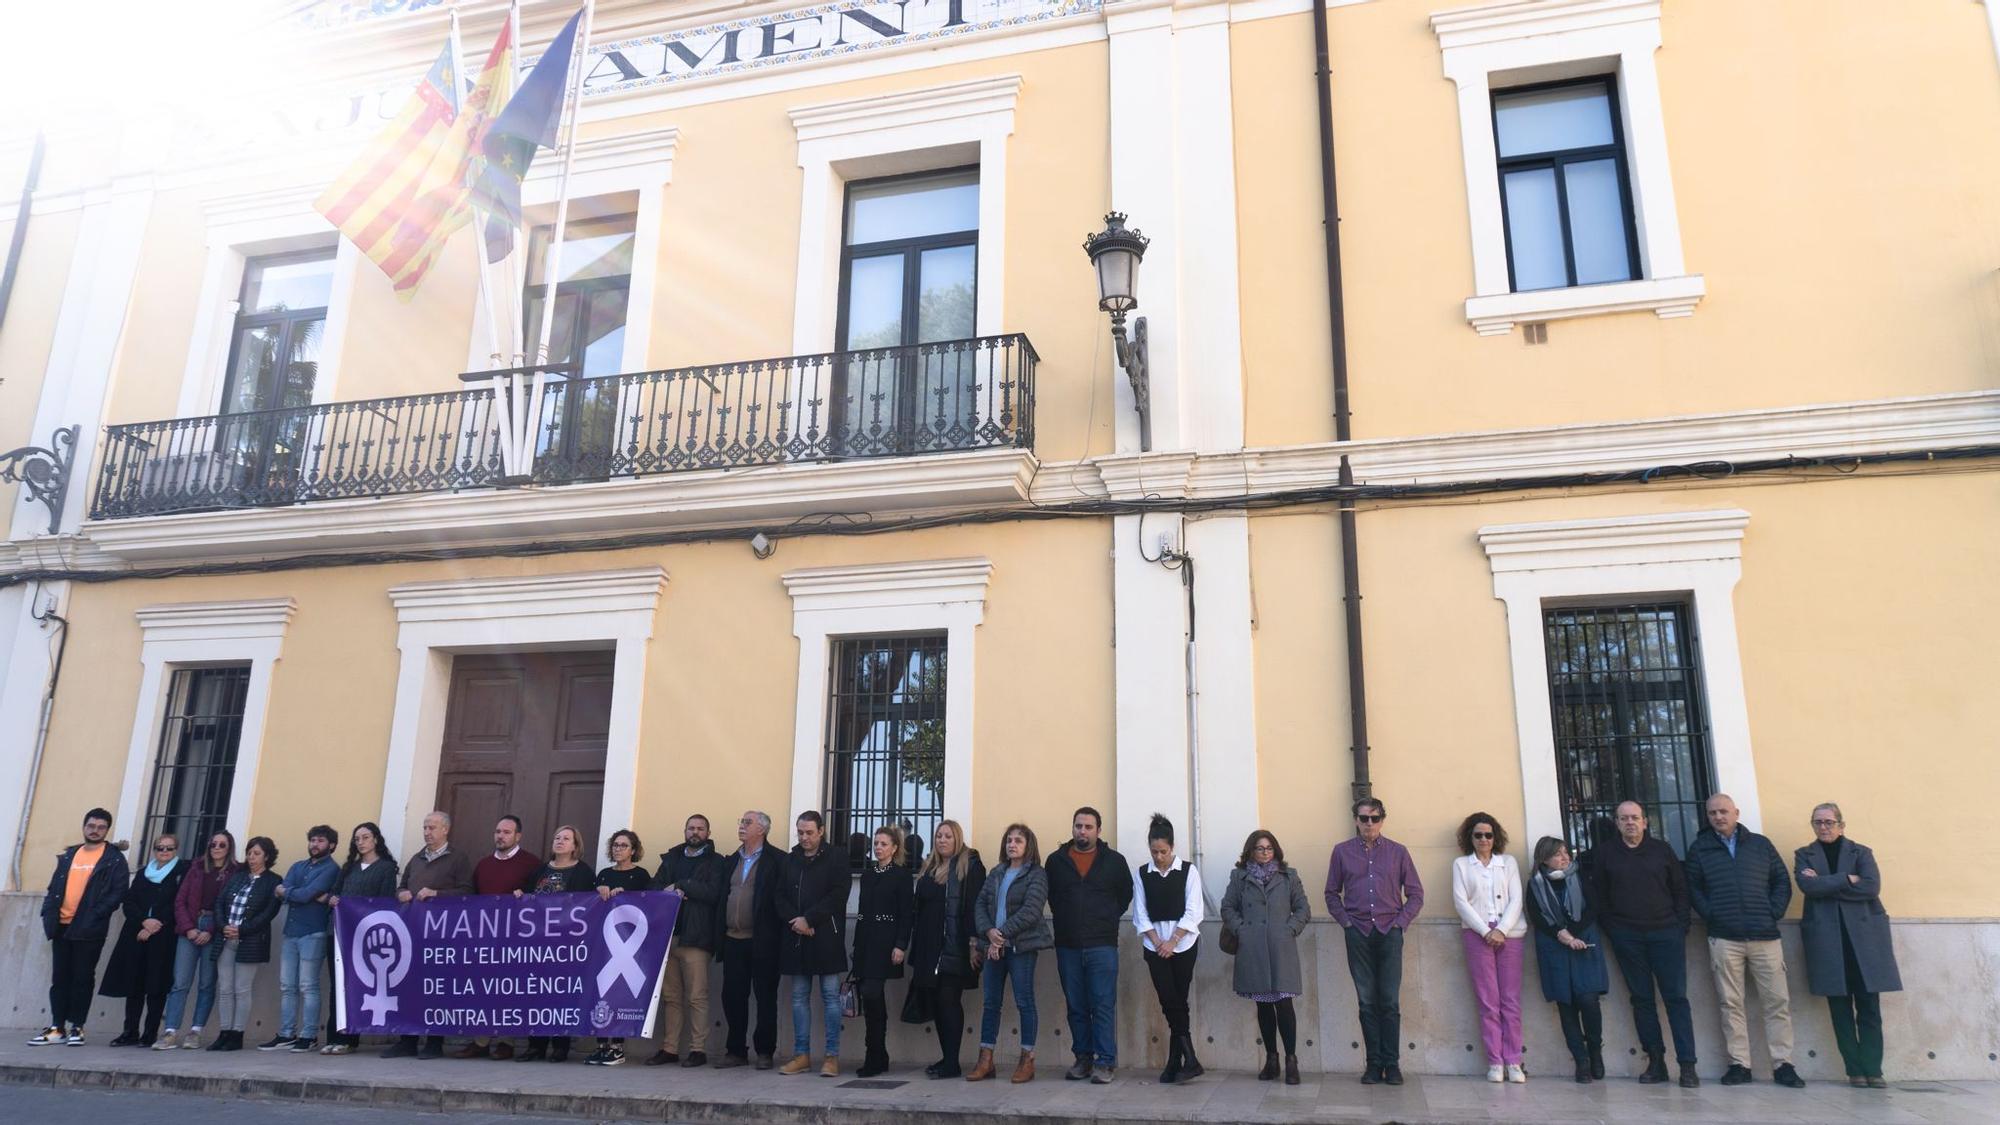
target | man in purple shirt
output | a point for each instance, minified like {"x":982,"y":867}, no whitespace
{"x":1373,"y":891}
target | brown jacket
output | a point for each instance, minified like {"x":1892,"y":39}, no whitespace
{"x":449,"y":874}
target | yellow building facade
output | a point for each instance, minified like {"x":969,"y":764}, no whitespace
{"x":1670,"y":329}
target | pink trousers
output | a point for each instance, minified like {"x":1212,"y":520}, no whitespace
{"x":1496,"y":982}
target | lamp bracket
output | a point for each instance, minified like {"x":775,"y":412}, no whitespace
{"x":45,"y":471}
{"x":1132,"y":357}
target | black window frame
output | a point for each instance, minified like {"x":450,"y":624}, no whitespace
{"x":583,"y":449}
{"x":1677,"y":821}
{"x":1558,"y":160}
{"x":288,"y":322}
{"x":181,"y":726}
{"x":857,"y":710}
{"x":584,"y":288}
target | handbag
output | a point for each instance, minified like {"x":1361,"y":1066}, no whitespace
{"x":920,"y":1003}
{"x":1226,"y":941}
{"x":850,"y":1001}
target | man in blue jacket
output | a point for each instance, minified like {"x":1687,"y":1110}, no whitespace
{"x":88,"y":885}
{"x":1740,"y":887}
{"x":308,"y":920}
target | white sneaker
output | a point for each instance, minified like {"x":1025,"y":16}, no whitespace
{"x":1496,"y":1073}
{"x":167,"y":1041}
{"x":1516,"y":1074}
{"x":75,"y":1037}
{"x":48,"y":1037}
{"x":193,"y":1040}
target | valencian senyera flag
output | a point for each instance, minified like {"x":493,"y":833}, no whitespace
{"x":528,"y":123}
{"x":409,"y":189}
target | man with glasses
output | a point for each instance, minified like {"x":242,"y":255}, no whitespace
{"x":1642,"y":905}
{"x":1373,"y":891}
{"x":751,"y":933}
{"x":89,"y":883}
{"x":1740,"y":887}
{"x":308,"y":924}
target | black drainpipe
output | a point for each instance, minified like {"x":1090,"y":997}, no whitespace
{"x":1350,"y":563}
{"x":20,"y":228}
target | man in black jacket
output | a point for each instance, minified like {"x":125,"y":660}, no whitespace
{"x":1642,"y":903}
{"x":1090,"y":886}
{"x":1740,"y":888}
{"x":751,"y":933}
{"x":88,"y":885}
{"x":697,"y":874}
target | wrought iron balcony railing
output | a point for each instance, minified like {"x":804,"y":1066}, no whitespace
{"x":944,"y":397}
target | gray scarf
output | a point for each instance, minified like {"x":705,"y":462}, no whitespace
{"x":1560,"y":900}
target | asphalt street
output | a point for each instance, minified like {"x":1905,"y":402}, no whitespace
{"x":34,"y":1103}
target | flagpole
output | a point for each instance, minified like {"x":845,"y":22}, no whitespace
{"x":485,"y":271}
{"x":518,"y":282}
{"x":554,"y":257}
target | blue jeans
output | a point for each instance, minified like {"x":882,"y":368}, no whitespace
{"x":298,"y":976}
{"x":194,"y":967}
{"x":1375,"y":961}
{"x":1019,"y":968}
{"x":1090,"y":993}
{"x":1646,"y":956}
{"x":829,"y":998}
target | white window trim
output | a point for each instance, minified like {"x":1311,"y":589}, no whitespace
{"x":911,"y":131}
{"x":196,"y":634}
{"x":906,"y":597}
{"x":246,"y":226}
{"x":1513,"y":42}
{"x":436,"y":620}
{"x":640,"y":164}
{"x":1697,"y":555}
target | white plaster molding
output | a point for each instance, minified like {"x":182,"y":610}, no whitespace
{"x":195,"y":634}
{"x":942,"y":595}
{"x":1512,"y":42}
{"x":1696,"y":555}
{"x":1665,"y":297}
{"x":670,"y":501}
{"x":911,"y":130}
{"x":591,"y":609}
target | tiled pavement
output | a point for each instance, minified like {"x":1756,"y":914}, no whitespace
{"x":674,"y":1094}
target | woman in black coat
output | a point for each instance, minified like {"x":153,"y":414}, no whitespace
{"x":941,"y":967}
{"x":142,"y":963}
{"x":242,"y":924}
{"x":881,"y":940}
{"x":812,"y":899}
{"x":370,"y":872}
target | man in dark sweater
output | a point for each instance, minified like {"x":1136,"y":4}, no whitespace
{"x":1090,"y":886}
{"x":435,"y":872}
{"x":700,"y":877}
{"x":1740,"y":887}
{"x":510,"y":868}
{"x":1643,"y":906}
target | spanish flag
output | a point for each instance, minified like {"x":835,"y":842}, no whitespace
{"x":407,"y":191}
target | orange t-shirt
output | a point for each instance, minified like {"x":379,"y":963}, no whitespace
{"x":80,"y":866}
{"x":1084,"y":861}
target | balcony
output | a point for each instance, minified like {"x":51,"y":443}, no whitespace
{"x":953,"y":396}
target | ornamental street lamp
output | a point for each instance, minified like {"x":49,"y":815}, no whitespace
{"x":1116,"y":252}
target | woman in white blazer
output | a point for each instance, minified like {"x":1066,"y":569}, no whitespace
{"x":1486,"y":889}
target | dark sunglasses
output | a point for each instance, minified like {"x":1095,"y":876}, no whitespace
{"x":1369,"y":818}
{"x":1482,"y":835}
{"x":164,"y":848}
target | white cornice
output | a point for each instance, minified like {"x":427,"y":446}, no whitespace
{"x":560,"y":595}
{"x":261,"y":619}
{"x":884,"y":585}
{"x":907,"y":107}
{"x":1670,"y":537}
{"x":1520,"y":19}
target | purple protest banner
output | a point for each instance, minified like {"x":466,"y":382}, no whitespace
{"x":550,"y":964}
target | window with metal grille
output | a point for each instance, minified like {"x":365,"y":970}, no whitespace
{"x":885,"y":739}
{"x":197,"y":761}
{"x":1630,"y":720}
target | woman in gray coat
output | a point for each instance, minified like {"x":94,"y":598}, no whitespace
{"x":1266,"y":909}
{"x":1850,"y":958}
{"x":1012,"y":929}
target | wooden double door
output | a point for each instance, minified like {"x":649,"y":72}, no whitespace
{"x":525,"y":733}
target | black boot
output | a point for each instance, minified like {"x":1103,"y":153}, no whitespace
{"x":873,"y":1063}
{"x":1173,"y":1072}
{"x":1292,"y":1071}
{"x":1191,"y":1067}
{"x":1596,"y":1047}
{"x":1656,"y":1069}
{"x":1583,"y":1072}
{"x":1270,"y":1070}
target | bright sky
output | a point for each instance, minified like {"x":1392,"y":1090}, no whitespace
{"x":65,"y":60}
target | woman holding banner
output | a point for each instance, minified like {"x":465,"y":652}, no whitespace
{"x":564,"y":872}
{"x":623,"y":875}
{"x":881,"y":940}
{"x":370,"y":872}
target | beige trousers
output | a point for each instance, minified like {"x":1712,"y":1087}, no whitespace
{"x":684,"y":984}
{"x":1764,"y":963}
